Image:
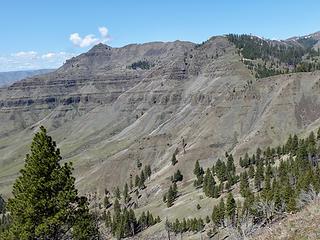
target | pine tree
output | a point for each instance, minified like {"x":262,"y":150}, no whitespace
{"x":116,"y":207}
{"x":209,"y":184}
{"x":259,"y":176}
{"x":177,"y":176}
{"x":170,"y":197}
{"x":126,"y":193}
{"x":258,"y":154}
{"x":117,"y":193}
{"x":244,"y":184}
{"x":142,"y":180}
{"x":231,"y":169}
{"x":231,"y":208}
{"x":251,"y":172}
{"x":174,"y":160}
{"x":108,"y":219}
{"x":198,"y":171}
{"x":137,"y":181}
{"x":130,"y":182}
{"x":215,"y":216}
{"x":221,"y":212}
{"x":147,"y":170}
{"x":318,"y":133}
{"x":45,"y":204}
{"x":106,"y":201}
{"x":2,"y":205}
{"x":221,"y":170}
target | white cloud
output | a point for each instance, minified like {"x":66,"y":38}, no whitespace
{"x":90,"y":39}
{"x":104,"y":32}
{"x":48,"y":55}
{"x":26,"y":60}
{"x":25,"y":54}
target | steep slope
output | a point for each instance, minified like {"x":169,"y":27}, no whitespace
{"x":105,"y":115}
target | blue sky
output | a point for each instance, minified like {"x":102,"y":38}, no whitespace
{"x":43,"y":33}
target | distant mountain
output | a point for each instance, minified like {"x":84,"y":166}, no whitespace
{"x":7,"y":78}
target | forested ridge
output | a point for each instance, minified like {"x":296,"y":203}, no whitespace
{"x":267,"y":58}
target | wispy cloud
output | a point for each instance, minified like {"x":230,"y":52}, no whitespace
{"x":25,"y":60}
{"x":90,"y":39}
{"x":29,"y":54}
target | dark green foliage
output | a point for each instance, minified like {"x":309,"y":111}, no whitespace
{"x":244,"y":184}
{"x":231,"y":208}
{"x":177,"y":176}
{"x":124,"y":223}
{"x":245,"y":162}
{"x":106,"y":201}
{"x":251,"y":172}
{"x":259,"y":176}
{"x":171,"y":195}
{"x":221,"y":170}
{"x":45,"y":203}
{"x":209,"y":185}
{"x":147,"y":170}
{"x":2,"y":205}
{"x":142,"y":180}
{"x":190,"y":225}
{"x":231,"y":169}
{"x":126,"y":196}
{"x":142,"y":64}
{"x":278,"y":58}
{"x":218,"y":214}
{"x":117,"y":193}
{"x":255,"y":48}
{"x":139,"y":164}
{"x":174,"y":160}
{"x":198,"y":171}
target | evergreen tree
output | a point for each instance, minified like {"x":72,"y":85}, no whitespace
{"x":258,"y":154}
{"x":221,"y":170}
{"x":130,"y":182}
{"x":221,"y":211}
{"x":117,"y":193}
{"x":174,"y":160}
{"x":147,"y":170}
{"x":244,"y":184}
{"x":259,"y":176}
{"x":2,"y":205}
{"x":142,"y":180}
{"x":137,"y":181}
{"x":106,"y":201}
{"x":231,"y":208}
{"x":116,"y":208}
{"x":170,"y":197}
{"x":209,"y":184}
{"x":126,"y":196}
{"x":177,"y":176}
{"x":45,"y":204}
{"x":231,"y":169}
{"x":198,"y":171}
{"x":251,"y":172}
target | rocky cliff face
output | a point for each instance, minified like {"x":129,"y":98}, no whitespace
{"x":110,"y":107}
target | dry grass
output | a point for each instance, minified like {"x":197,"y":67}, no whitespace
{"x":302,"y":225}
